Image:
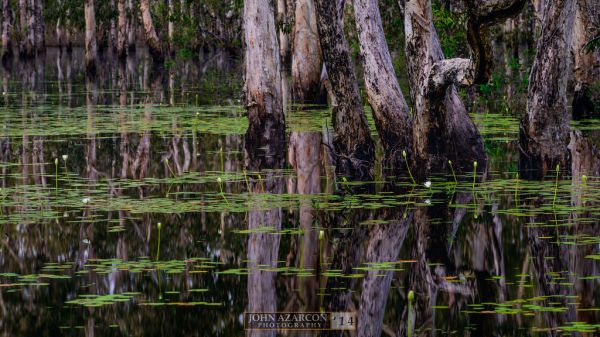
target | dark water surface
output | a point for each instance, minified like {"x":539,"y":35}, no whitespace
{"x":126,"y":211}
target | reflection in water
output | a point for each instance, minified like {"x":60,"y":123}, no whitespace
{"x":89,"y":167}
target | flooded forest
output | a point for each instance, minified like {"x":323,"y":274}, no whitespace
{"x":431,"y":166}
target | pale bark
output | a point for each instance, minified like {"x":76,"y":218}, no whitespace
{"x":171,"y":25}
{"x":353,"y":144}
{"x":154,"y":44}
{"x":262,"y":87}
{"x":7,"y":47}
{"x":91,"y":44}
{"x":442,"y":128}
{"x":390,"y":110}
{"x":306,"y":58}
{"x":122,"y":25}
{"x":587,"y":62}
{"x":545,"y":131}
{"x":284,"y":37}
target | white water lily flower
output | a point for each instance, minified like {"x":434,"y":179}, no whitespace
{"x":428,"y":202}
{"x":86,"y":200}
{"x":428,"y":184}
{"x":65,"y":157}
{"x":86,"y":241}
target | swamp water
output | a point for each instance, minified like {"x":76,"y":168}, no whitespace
{"x":126,"y":211}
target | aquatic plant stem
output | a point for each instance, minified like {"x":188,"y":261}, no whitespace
{"x":56,"y":175}
{"x":474,"y":175}
{"x":517,"y":187}
{"x":159,"y":225}
{"x":220,"y":181}
{"x":222,"y":162}
{"x":409,"y":326}
{"x":408,"y":167}
{"x":453,"y":174}
{"x":555,"y":186}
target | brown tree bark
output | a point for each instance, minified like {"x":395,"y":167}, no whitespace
{"x":353,"y":144}
{"x":7,"y":46}
{"x":26,"y":21}
{"x":586,"y":101}
{"x":262,"y":87}
{"x":91,"y":44}
{"x":306,"y":58}
{"x":154,"y":44}
{"x":122,"y":25}
{"x":545,"y":131}
{"x":390,"y":110}
{"x":131,"y":26}
{"x":39,"y":26}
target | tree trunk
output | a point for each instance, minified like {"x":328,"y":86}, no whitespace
{"x":262,"y":87}
{"x":390,"y":110}
{"x":587,"y":62}
{"x":26,"y":45}
{"x":442,"y":129}
{"x":152,"y":39}
{"x":91,"y":45}
{"x":130,"y":26}
{"x":7,"y":47}
{"x":306,"y":58}
{"x":122,"y":25}
{"x":352,"y":142}
{"x":284,"y":36}
{"x":545,"y":131}
{"x":59,"y":28}
{"x":171,"y":26}
{"x":40,"y":27}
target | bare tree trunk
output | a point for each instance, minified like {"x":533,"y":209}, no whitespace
{"x":59,"y":27}
{"x":122,"y":27}
{"x":352,"y":142}
{"x":26,"y":45}
{"x":130,"y":26}
{"x":154,"y":44}
{"x":40,"y":27}
{"x":587,"y":62}
{"x":91,"y":44}
{"x":545,"y":131}
{"x":262,"y":87}
{"x":284,"y":36}
{"x":443,"y":130}
{"x":7,"y":47}
{"x":306,"y":58}
{"x":390,"y":110}
{"x":171,"y":26}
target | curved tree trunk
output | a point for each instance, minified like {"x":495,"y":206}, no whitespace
{"x":390,"y":110}
{"x":152,"y":39}
{"x":122,"y":26}
{"x":91,"y":44}
{"x":306,"y":58}
{"x":442,"y":128}
{"x":7,"y":47}
{"x":352,"y":142}
{"x":545,"y":131}
{"x":587,"y":62}
{"x":262,"y":87}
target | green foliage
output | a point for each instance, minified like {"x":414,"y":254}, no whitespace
{"x":451,"y":30}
